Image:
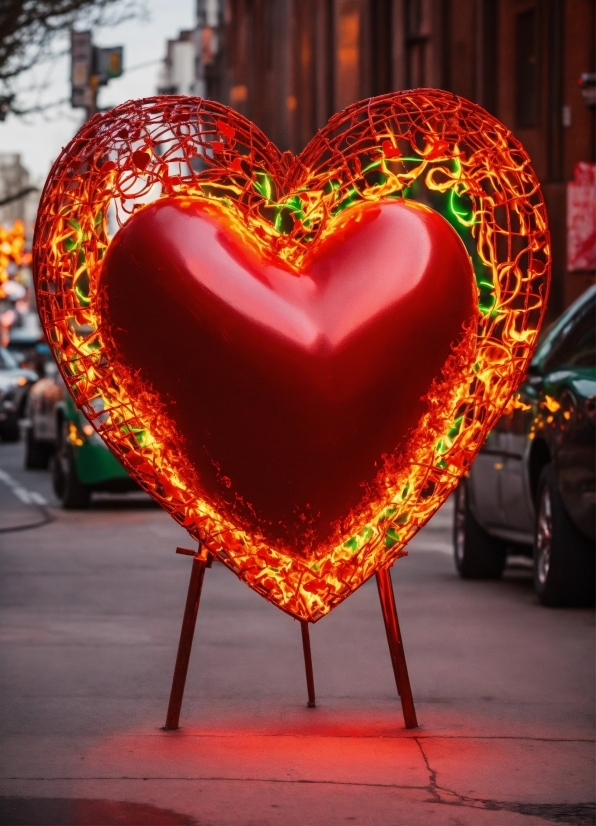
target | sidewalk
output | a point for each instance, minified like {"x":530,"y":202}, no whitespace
{"x":91,"y":610}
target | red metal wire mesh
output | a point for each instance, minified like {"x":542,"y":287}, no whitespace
{"x":426,"y":145}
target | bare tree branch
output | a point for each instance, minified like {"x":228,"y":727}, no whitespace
{"x":30,"y":28}
{"x":17,"y":195}
{"x":41,"y":107}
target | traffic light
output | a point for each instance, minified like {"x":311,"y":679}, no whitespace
{"x":91,"y":67}
{"x":107,"y":63}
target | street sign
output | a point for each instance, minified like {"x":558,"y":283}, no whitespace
{"x":81,"y":51}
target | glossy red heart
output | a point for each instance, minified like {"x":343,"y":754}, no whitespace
{"x":288,"y":388}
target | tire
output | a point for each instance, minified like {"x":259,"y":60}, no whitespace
{"x":477,"y":554}
{"x":9,"y":430}
{"x":37,"y":454}
{"x":563,"y":557}
{"x":71,"y":492}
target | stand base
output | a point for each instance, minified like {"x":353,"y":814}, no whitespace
{"x":189,"y":621}
{"x":310,"y":680}
{"x":396,"y":649}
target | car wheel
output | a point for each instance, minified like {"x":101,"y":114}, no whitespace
{"x":69,"y":489}
{"x":37,"y":454}
{"x":478,"y":555}
{"x":563,"y":557}
{"x":9,"y":430}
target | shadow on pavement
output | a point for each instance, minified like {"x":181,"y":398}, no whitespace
{"x":519,"y":576}
{"x":64,"y":811}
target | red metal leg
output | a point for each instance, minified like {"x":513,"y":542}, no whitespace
{"x":197,"y":574}
{"x":310,"y":680}
{"x":396,"y":647}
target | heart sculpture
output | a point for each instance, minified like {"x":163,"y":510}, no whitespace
{"x":297,"y":357}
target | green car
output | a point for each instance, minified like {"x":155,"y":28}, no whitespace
{"x":58,"y":435}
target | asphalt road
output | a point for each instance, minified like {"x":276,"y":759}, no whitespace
{"x":90,"y":614}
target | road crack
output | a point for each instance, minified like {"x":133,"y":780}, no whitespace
{"x":571,"y":814}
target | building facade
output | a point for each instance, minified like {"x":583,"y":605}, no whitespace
{"x":178,"y":75}
{"x":290,"y":64}
{"x":15,"y":181}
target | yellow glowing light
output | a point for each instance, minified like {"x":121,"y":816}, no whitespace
{"x":515,"y":403}
{"x":73,"y":434}
{"x":12,"y":251}
{"x":552,"y":405}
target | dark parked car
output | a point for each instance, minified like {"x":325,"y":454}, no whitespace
{"x":15,"y":383}
{"x":531,"y":489}
{"x":58,"y":434}
{"x":27,"y":344}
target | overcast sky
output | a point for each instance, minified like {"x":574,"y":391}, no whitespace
{"x":39,"y":138}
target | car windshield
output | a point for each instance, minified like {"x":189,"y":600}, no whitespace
{"x":7,"y":360}
{"x":575,"y":345}
{"x":546,"y":354}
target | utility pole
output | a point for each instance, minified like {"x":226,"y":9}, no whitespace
{"x":5,"y":104}
{"x":91,"y":67}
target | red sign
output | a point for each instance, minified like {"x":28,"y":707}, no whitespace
{"x":581,"y":219}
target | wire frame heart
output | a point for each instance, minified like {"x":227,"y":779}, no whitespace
{"x":424,"y":145}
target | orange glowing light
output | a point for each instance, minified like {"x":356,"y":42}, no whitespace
{"x":552,"y":405}
{"x":425,"y":145}
{"x":515,"y":403}
{"x":12,"y":251}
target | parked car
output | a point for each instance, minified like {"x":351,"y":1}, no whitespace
{"x":15,"y":383}
{"x":531,"y":489}
{"x":27,"y":343}
{"x":58,"y":435}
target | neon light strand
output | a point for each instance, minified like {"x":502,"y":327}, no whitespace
{"x":425,"y":145}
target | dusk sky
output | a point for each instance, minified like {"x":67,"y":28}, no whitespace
{"x":39,"y":138}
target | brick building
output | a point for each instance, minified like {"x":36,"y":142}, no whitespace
{"x":290,"y":64}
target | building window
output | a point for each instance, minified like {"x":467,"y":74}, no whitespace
{"x":348,"y":55}
{"x":526,"y":69}
{"x":416,"y":41}
{"x":490,"y":55}
{"x":381,"y":52}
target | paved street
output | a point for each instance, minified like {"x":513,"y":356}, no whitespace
{"x":90,"y":615}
